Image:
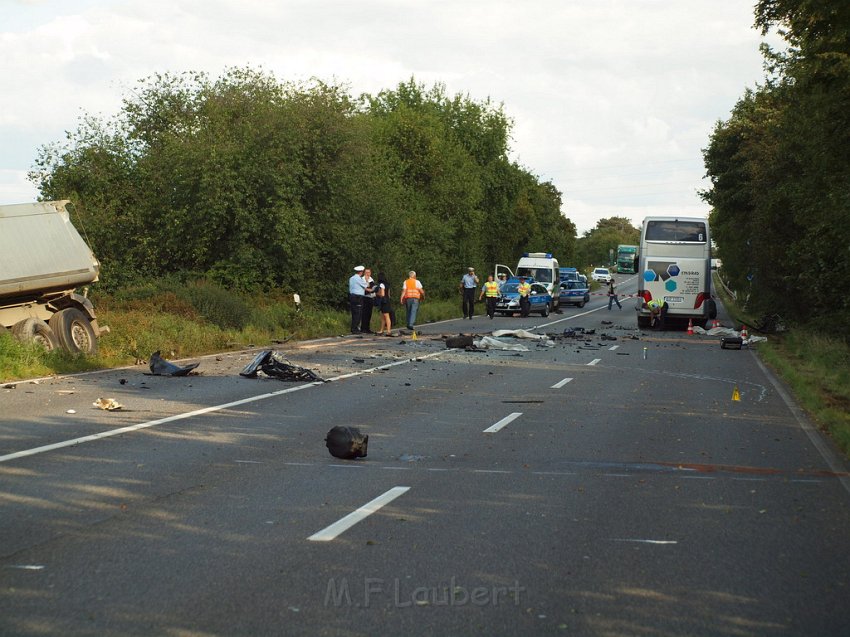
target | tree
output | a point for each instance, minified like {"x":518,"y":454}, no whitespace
{"x":595,"y":247}
{"x":779,"y":168}
{"x":258,"y":184}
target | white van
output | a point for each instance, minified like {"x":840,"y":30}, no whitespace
{"x":542,"y":267}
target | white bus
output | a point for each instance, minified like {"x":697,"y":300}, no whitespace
{"x":675,"y":265}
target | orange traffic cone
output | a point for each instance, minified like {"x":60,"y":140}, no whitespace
{"x":744,"y":332}
{"x":690,"y":327}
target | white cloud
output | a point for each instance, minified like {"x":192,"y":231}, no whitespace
{"x":596,"y":89}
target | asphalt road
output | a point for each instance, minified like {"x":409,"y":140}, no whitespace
{"x":595,"y":487}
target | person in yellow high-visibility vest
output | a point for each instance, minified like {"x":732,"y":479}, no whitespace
{"x":524,"y":289}
{"x":657,"y":313}
{"x":491,"y":290}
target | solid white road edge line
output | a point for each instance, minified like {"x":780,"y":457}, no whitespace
{"x":645,"y":541}
{"x":329,"y":533}
{"x":504,"y":421}
{"x":816,"y":439}
{"x":561,"y":383}
{"x":197,"y":412}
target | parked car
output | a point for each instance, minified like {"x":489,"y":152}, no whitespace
{"x":508,"y":303}
{"x":575,"y":293}
{"x":601,"y":274}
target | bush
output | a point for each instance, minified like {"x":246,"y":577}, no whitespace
{"x":220,"y":307}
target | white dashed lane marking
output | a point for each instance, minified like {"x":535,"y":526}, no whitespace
{"x":503,"y":422}
{"x":340,"y":526}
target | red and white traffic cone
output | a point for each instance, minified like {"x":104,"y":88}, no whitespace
{"x":690,"y":327}
{"x":744,"y":334}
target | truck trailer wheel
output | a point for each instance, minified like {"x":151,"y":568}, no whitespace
{"x":74,"y":331}
{"x":35,"y":331}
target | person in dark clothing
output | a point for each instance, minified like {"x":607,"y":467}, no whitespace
{"x":383,"y":302}
{"x":612,"y":295}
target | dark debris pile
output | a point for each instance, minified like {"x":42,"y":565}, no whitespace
{"x":274,"y":365}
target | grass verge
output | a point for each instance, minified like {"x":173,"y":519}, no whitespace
{"x":815,"y":366}
{"x":192,"y":322}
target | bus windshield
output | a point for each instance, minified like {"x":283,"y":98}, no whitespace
{"x":675,"y":230}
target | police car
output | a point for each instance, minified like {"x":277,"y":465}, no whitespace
{"x":574,"y":293}
{"x":508,"y":303}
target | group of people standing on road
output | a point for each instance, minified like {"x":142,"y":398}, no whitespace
{"x":365,"y":293}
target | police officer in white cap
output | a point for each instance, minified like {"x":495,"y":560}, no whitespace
{"x":468,"y":284}
{"x":356,"y":294}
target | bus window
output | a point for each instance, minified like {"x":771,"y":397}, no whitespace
{"x":674,"y":230}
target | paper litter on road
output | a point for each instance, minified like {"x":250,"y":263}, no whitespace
{"x":108,"y":404}
{"x":727,"y":331}
{"x":488,"y":342}
{"x":543,"y":339}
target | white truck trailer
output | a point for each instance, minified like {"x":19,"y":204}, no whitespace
{"x":43,"y":261}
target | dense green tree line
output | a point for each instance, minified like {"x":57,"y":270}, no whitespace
{"x":780,"y":170}
{"x":257,"y":184}
{"x":594,"y":248}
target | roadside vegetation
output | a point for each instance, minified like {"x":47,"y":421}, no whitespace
{"x":815,"y":365}
{"x":184,"y":320}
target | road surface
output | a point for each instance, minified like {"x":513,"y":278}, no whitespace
{"x":650,"y":485}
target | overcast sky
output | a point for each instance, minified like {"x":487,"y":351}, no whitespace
{"x":612,"y":100}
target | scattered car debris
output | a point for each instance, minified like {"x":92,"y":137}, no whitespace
{"x":272,"y":364}
{"x":346,"y":442}
{"x":461,"y":341}
{"x":108,"y":404}
{"x":731,"y":342}
{"x":161,"y":367}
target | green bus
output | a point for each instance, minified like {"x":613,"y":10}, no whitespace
{"x":627,"y":259}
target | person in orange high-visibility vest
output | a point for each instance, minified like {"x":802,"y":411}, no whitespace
{"x":524,"y":289}
{"x":491,"y":290}
{"x":412,"y":294}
